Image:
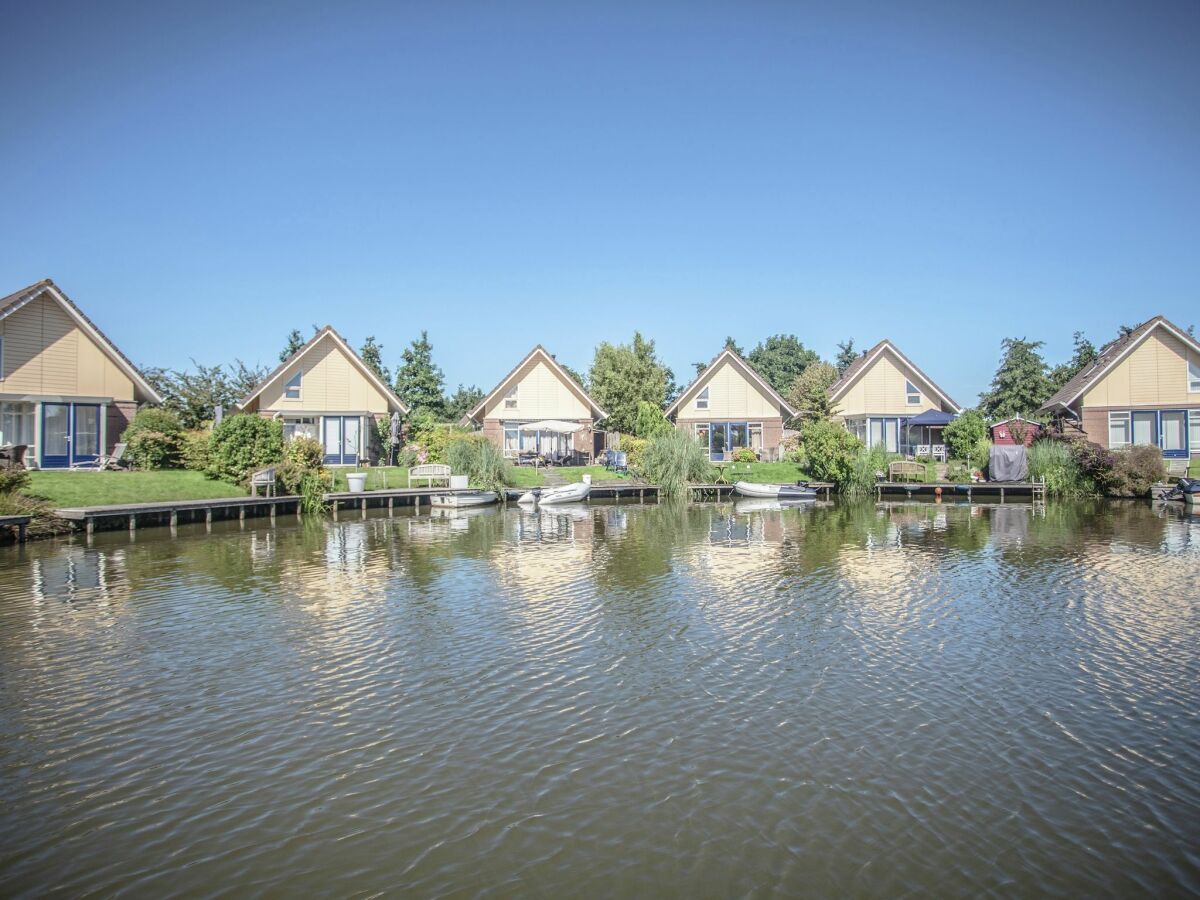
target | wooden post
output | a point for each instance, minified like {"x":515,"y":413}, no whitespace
{"x":335,"y":510}
{"x":89,"y":526}
{"x":391,"y":504}
{"x":208,"y":520}
{"x":174,"y":519}
{"x":1001,"y":493}
{"x":273,"y":505}
{"x":242,"y":513}
{"x":21,"y":532}
{"x":132,"y":522}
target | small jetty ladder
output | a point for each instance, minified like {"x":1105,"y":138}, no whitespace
{"x":1038,"y":486}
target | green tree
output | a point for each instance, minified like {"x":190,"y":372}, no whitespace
{"x":419,"y":382}
{"x":780,"y":359}
{"x":730,"y":344}
{"x":1085,"y":353}
{"x":295,"y":341}
{"x":194,"y":395}
{"x":462,"y":401}
{"x":846,"y":356}
{"x":650,"y":420}
{"x":578,"y":376}
{"x":1022,"y":382}
{"x":372,"y":354}
{"x":623,"y":375}
{"x":830,"y":451}
{"x":809,"y":395}
{"x":964,"y":434}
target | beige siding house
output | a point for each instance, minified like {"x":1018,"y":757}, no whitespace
{"x":1142,"y":388}
{"x":538,"y":408}
{"x":730,"y":406}
{"x":66,"y":391}
{"x":325,"y":391}
{"x":882,"y":392}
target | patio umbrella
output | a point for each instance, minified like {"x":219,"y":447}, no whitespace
{"x":393,"y":437}
{"x":556,"y":425}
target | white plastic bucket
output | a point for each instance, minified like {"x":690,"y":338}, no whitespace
{"x":458,"y":482}
{"x":587,"y":479}
{"x":356,"y":482}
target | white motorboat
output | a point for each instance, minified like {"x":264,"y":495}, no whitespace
{"x":567,"y":493}
{"x":776,"y":491}
{"x":463,"y":499}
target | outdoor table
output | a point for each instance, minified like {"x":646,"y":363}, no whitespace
{"x":721,"y":467}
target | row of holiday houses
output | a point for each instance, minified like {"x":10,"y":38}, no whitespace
{"x":67,"y":393}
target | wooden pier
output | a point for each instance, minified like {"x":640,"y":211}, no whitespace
{"x":1032,"y":490}
{"x":20,"y":523}
{"x":173,"y":510}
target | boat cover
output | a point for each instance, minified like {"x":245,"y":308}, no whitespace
{"x":1008,"y":463}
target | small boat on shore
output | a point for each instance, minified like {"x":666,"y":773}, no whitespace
{"x":567,"y":493}
{"x":1186,"y":489}
{"x":463,"y":499}
{"x":775,"y":491}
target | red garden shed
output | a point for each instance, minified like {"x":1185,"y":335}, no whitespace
{"x":1015,"y":431}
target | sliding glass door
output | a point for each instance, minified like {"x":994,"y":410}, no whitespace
{"x":70,"y":434}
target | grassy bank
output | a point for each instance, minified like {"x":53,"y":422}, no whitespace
{"x":65,"y":489}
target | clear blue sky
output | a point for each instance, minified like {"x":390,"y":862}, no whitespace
{"x":202,"y":179}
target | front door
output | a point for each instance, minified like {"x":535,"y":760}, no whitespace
{"x":340,"y":435}
{"x":1174,"y":434}
{"x":70,"y":434}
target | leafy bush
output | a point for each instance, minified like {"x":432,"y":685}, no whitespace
{"x":43,"y":524}
{"x":650,"y":421}
{"x":427,"y":435}
{"x":980,"y":454}
{"x":240,"y":444}
{"x":964,"y":435}
{"x":303,"y":467}
{"x":672,"y":460}
{"x":745,"y":455}
{"x":154,"y":438}
{"x":12,"y":480}
{"x":193,"y":450}
{"x":633,"y":448}
{"x":481,"y":461}
{"x":957,"y":473}
{"x":1134,"y":470}
{"x":1058,"y":464}
{"x":830,"y":451}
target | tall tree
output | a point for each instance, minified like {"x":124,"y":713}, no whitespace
{"x":622,"y":375}
{"x":730,"y":344}
{"x":419,"y":382}
{"x":195,"y":394}
{"x":809,"y":395}
{"x":372,"y":354}
{"x":1085,"y":353}
{"x":845,"y":357}
{"x":295,"y":340}
{"x":780,"y":359}
{"x":462,"y":401}
{"x":1022,"y":382}
{"x":574,"y":373}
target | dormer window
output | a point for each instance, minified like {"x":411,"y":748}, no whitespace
{"x":702,"y":399}
{"x":510,"y":398}
{"x":1193,"y":376}
{"x":911,"y":393}
{"x":291,"y":390}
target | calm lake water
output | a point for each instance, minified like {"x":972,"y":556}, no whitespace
{"x":712,"y":700}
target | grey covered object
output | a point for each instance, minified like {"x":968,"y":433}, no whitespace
{"x":1008,"y":463}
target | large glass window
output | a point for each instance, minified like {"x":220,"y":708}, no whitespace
{"x":1118,"y":430}
{"x":892,"y":435}
{"x":1194,"y":375}
{"x":86,"y":437}
{"x":756,"y":440}
{"x":1145,"y":426}
{"x":1174,"y":432}
{"x":291,"y":390}
{"x":16,"y":423}
{"x":875,"y":433}
{"x":738,"y":436}
{"x":299,"y":426}
{"x":512,"y":439}
{"x":702,"y":433}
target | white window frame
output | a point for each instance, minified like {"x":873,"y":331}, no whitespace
{"x":1193,"y":375}
{"x":510,"y":397}
{"x":1,"y":357}
{"x":1194,"y":432}
{"x":298,"y":387}
{"x":911,"y":394}
{"x":1128,"y":421}
{"x":292,"y":421}
{"x":702,"y":399}
{"x":754,"y":430}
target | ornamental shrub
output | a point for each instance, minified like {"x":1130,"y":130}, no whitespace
{"x":302,"y":457}
{"x":193,"y":453}
{"x":241,"y":444}
{"x":964,"y":434}
{"x":650,"y":420}
{"x":154,"y":438}
{"x":1134,"y":470}
{"x":633,"y":448}
{"x":830,"y":451}
{"x":745,"y":455}
{"x":13,"y":480}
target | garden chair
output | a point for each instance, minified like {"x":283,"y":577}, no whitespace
{"x":1176,"y":468}
{"x":620,"y":462}
{"x":114,"y":460}
{"x":13,"y":456}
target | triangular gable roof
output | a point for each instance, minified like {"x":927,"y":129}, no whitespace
{"x":366,"y":370}
{"x":47,"y":288}
{"x":738,"y":363}
{"x":864,"y":362}
{"x":555,"y":367}
{"x":1108,"y":356}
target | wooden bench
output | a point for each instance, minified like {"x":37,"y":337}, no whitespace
{"x":263,"y":478}
{"x":902,"y":469}
{"x":429,"y":473}
{"x":1177,"y":468}
{"x":21,"y":523}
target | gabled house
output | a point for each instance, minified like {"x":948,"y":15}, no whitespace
{"x":885,"y":400}
{"x":325,"y":391}
{"x":66,"y":391}
{"x":538,"y":408}
{"x":730,"y":406}
{"x":1142,"y":388}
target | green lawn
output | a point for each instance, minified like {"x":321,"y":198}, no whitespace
{"x":105,"y":488}
{"x":1194,"y":469}
{"x":598,"y":473}
{"x":378,"y":478}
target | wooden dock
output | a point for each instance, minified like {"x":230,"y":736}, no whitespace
{"x":172,"y":510}
{"x":1032,"y":490}
{"x":20,"y":523}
